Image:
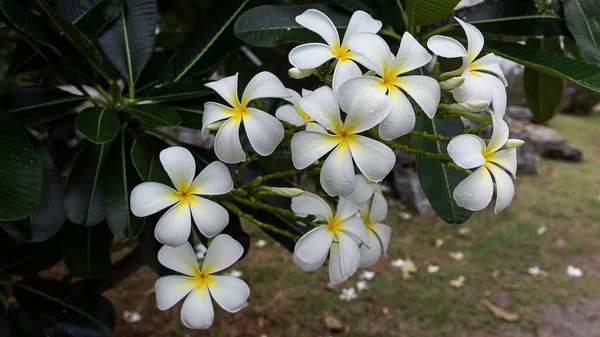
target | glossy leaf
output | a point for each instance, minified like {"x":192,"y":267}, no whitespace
{"x":37,"y":105}
{"x":25,"y":58}
{"x":145,"y":154}
{"x":583,"y":20}
{"x":99,"y":125}
{"x":178,"y":91}
{"x":26,"y":22}
{"x":70,"y":309}
{"x":584,"y":74}
{"x":438,"y":180}
{"x":20,"y":172}
{"x":120,"y":179}
{"x":83,"y":193}
{"x":86,"y":250}
{"x":155,"y":115}
{"x":270,"y":25}
{"x":543,"y":92}
{"x":90,"y":16}
{"x":426,"y":12}
{"x":190,"y":117}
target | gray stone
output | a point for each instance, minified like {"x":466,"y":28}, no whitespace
{"x":574,"y":321}
{"x":519,"y":112}
{"x":547,"y":142}
{"x":407,"y":186}
{"x":528,"y":160}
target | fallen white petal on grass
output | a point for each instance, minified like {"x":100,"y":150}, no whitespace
{"x":362,"y":285}
{"x":439,"y":243}
{"x":536,"y":271}
{"x":367,"y":275}
{"x":457,"y":255}
{"x":542,"y":230}
{"x":457,"y":283}
{"x":399,"y":263}
{"x":131,"y":317}
{"x":405,"y":215}
{"x":431,"y":269}
{"x":260,"y":243}
{"x":408,"y":268}
{"x":464,"y":231}
{"x":348,"y":294}
{"x":574,"y":272}
{"x":235,"y":273}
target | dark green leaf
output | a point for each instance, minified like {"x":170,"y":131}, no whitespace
{"x":386,"y":11}
{"x":86,"y":250}
{"x":37,"y":105}
{"x":438,"y":180}
{"x":145,"y":155}
{"x":235,"y":230}
{"x":26,"y":22}
{"x":120,"y":179}
{"x":45,"y":222}
{"x":149,"y":246}
{"x":155,"y":115}
{"x":583,"y":20}
{"x":100,"y":125}
{"x":83,"y":194}
{"x":129,"y":41}
{"x":178,"y":91}
{"x":190,"y":118}
{"x":94,"y":19}
{"x":543,"y":92}
{"x":201,"y":38}
{"x":584,"y":74}
{"x":426,"y":12}
{"x":70,"y":308}
{"x":269,"y":25}
{"x":28,"y":258}
{"x":20,"y":172}
{"x":25,"y":58}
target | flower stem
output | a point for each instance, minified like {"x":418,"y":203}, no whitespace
{"x":416,"y":152}
{"x":266,"y":207}
{"x":244,"y":165}
{"x":435,"y":138}
{"x":233,"y":208}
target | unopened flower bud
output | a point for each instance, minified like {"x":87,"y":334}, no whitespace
{"x":288,"y":192}
{"x":216,"y":125}
{"x":513,"y":143}
{"x":452,"y":83}
{"x":299,"y":74}
{"x":370,"y":73}
{"x":470,"y":106}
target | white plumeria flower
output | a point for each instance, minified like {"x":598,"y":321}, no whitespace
{"x":364,"y":190}
{"x":484,"y":79}
{"x":264,"y":131}
{"x":469,"y":151}
{"x":339,"y":238}
{"x":364,"y":109}
{"x":294,"y":114}
{"x":199,"y":285}
{"x":423,"y":89}
{"x":379,"y":234}
{"x":362,"y":285}
{"x":348,"y":294}
{"x":174,"y":226}
{"x":312,"y":55}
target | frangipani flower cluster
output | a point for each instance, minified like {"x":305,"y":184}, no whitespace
{"x":341,"y":131}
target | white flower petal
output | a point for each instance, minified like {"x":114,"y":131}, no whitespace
{"x":424,"y":90}
{"x":505,"y":158}
{"x":411,"y":55}
{"x":171,"y":289}
{"x":312,"y":246}
{"x":345,"y":209}
{"x":374,"y":159}
{"x":150,"y":197}
{"x":215,"y":179}
{"x":337,"y":173}
{"x":374,"y":48}
{"x":210,"y":217}
{"x":308,"y":146}
{"x":356,"y":227}
{"x":230,"y":293}
{"x":344,"y":70}
{"x":309,"y":203}
{"x":335,"y":269}
{"x":505,"y":189}
{"x":310,"y":55}
{"x":362,"y":190}
{"x":214,"y":112}
{"x":384,"y":233}
{"x":289,"y":114}
{"x":226,"y":88}
{"x":498,"y":94}
{"x":474,"y":37}
{"x":314,"y":127}
{"x":227,"y":142}
{"x":180,"y":166}
{"x":361,"y":22}
{"x":500,"y":134}
{"x":370,"y":253}
{"x":308,"y":267}
{"x":446,"y":47}
{"x":197,"y":311}
{"x":473,"y":89}
{"x":322,"y":106}
{"x":489,"y":63}
{"x":379,"y":208}
{"x":262,"y":85}
{"x":475,"y":192}
{"x":349,"y":254}
{"x":174,"y":227}
{"x":401,"y":119}
{"x":180,"y":259}
{"x":467,"y":151}
{"x":365,"y":103}
{"x":222,"y":253}
{"x":319,"y":23}
{"x":264,"y":131}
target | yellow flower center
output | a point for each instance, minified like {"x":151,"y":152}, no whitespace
{"x":240,"y":109}
{"x":304,"y":115}
{"x":342,"y":52}
{"x":202,"y":278}
{"x":334,"y":224}
{"x":389,"y":77}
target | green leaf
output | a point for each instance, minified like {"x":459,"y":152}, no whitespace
{"x":584,"y":74}
{"x":426,"y":12}
{"x":145,"y":155}
{"x":92,"y":20}
{"x":438,"y":180}
{"x":99,"y":125}
{"x":20,"y":172}
{"x":83,"y":194}
{"x":155,"y":115}
{"x":46,"y":221}
{"x":543,"y":92}
{"x":178,"y":91}
{"x":27,"y":258}
{"x":583,"y":20}
{"x":76,"y":37}
{"x":386,"y":11}
{"x":201,"y":38}
{"x":149,"y":246}
{"x":129,"y":41}
{"x":38,"y":105}
{"x":26,"y":22}
{"x":25,"y":58}
{"x":70,"y":309}
{"x":120,"y":179}
{"x":86,"y":250}
{"x":190,"y":118}
{"x":269,"y":25}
